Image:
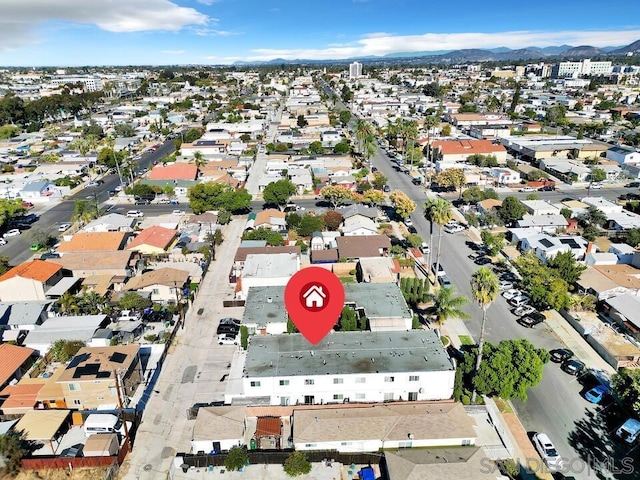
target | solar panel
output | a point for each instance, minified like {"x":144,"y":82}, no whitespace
{"x":546,"y":242}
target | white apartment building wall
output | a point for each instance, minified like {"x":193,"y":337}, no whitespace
{"x":347,"y":388}
{"x":585,"y":67}
{"x":355,"y":70}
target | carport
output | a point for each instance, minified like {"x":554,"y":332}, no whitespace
{"x":42,"y":425}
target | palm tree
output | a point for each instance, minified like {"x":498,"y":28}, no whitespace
{"x":199,"y":159}
{"x":447,"y":305}
{"x":84,"y":211}
{"x":485,"y":289}
{"x":68,"y":304}
{"x":437,"y":210}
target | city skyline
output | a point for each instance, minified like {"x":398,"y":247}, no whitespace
{"x":164,"y":32}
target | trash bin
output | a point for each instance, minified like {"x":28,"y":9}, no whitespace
{"x":184,"y":467}
{"x":252,"y":444}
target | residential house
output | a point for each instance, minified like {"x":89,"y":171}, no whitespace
{"x":330,"y":138}
{"x":39,"y":190}
{"x":565,"y":169}
{"x":623,"y":155}
{"x":324,"y":256}
{"x":94,"y":242}
{"x":624,"y":220}
{"x":152,"y":241}
{"x":607,"y":281}
{"x":377,"y":270}
{"x":269,"y":218}
{"x":80,"y":327}
{"x":357,"y":210}
{"x":604,"y":205}
{"x":505,"y":176}
{"x":577,"y":207}
{"x":358,"y":226}
{"x":540,"y":207}
{"x":545,"y":246}
{"x":543,"y":223}
{"x":117,"y":263}
{"x":244,"y":251}
{"x":218,"y":429}
{"x":301,"y":178}
{"x":468,"y":463}
{"x":23,"y":315}
{"x":30,"y":281}
{"x":180,"y":187}
{"x":377,"y":427}
{"x":174,"y":171}
{"x":352,"y":248}
{"x":454,"y":153}
{"x":14,"y":362}
{"x":89,"y":381}
{"x":623,"y":309}
{"x":265,"y":311}
{"x":112,"y":222}
{"x":382,"y":304}
{"x":164,"y":285}
{"x":268,"y":270}
{"x":623,"y":252}
{"x":488,"y":205}
{"x":347,"y":367}
{"x":19,"y":399}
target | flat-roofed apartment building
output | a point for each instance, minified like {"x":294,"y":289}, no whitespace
{"x":346,"y":367}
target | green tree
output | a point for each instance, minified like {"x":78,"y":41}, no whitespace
{"x":625,"y":386}
{"x":10,"y":209}
{"x":316,"y":148}
{"x":236,"y":459}
{"x":453,"y":178}
{"x":263,"y":233}
{"x":566,"y":212}
{"x":493,"y":243}
{"x":345,"y":116}
{"x":633,"y":237}
{"x":142,"y":190}
{"x":124,"y":130}
{"x":414,"y":240}
{"x":341,"y":148}
{"x":510,"y":368}
{"x":333,"y":220}
{"x":511,"y":210}
{"x":4,"y":264}
{"x":215,"y":196}
{"x":403,"y":205}
{"x":593,"y":216}
{"x":556,"y":115}
{"x":447,"y":305}
{"x":13,"y":447}
{"x":84,"y":211}
{"x":565,"y":266}
{"x":348,"y":321}
{"x":192,"y":135}
{"x":279,"y":192}
{"x":132,"y":300}
{"x":374,"y":197}
{"x":335,"y":194}
{"x":379,"y":180}
{"x":301,"y":121}
{"x":244,"y":337}
{"x":64,"y":350}
{"x":9,"y":131}
{"x":485,"y":289}
{"x":597,"y":175}
{"x":297,"y":464}
{"x":309,"y":224}
{"x":439,"y":211}
{"x":91,"y":303}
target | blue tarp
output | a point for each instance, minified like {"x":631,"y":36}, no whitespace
{"x":367,"y":473}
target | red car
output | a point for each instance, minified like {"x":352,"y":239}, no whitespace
{"x":27,"y":204}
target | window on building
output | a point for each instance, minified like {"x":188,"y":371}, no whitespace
{"x":338,"y":396}
{"x":389,"y":379}
{"x":308,"y":381}
{"x":414,"y":378}
{"x":361,"y":379}
{"x":155,"y":291}
{"x":360,"y":396}
{"x":284,"y":401}
{"x":77,"y":402}
{"x":284,"y":383}
{"x":388,"y":396}
{"x":338,"y":380}
{"x":255,"y":383}
{"x":74,"y":387}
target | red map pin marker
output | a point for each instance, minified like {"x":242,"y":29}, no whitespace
{"x":314,"y":298}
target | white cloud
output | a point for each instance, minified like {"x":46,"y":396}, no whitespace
{"x":383,"y":44}
{"x":21,"y":17}
{"x":207,"y":2}
{"x":174,"y":52}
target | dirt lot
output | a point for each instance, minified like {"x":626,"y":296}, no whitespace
{"x":77,"y":474}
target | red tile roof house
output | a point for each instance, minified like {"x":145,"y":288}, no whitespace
{"x":14,"y":362}
{"x":453,"y":153}
{"x":174,"y":171}
{"x":153,"y":240}
{"x":29,"y":281}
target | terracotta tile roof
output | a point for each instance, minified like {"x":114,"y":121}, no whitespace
{"x":175,"y":171}
{"x":21,"y":396}
{"x":205,"y":218}
{"x":264,"y":217}
{"x":161,"y":276}
{"x":11,"y":357}
{"x":35,"y":269}
{"x":268,"y":427}
{"x":467,"y":147}
{"x":155,"y":236}
{"x":94,"y":241}
{"x":106,"y":260}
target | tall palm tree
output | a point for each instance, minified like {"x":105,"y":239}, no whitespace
{"x":485,"y":289}
{"x":84,"y":211}
{"x":437,"y":210}
{"x":447,"y":305}
{"x":199,"y":159}
{"x":410,"y":135}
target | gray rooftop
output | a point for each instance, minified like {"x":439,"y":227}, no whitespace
{"x":22,"y":313}
{"x":346,"y":353}
{"x":260,"y":310}
{"x":377,"y":299}
{"x":272,"y":265}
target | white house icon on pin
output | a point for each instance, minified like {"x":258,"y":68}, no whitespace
{"x":314,"y":297}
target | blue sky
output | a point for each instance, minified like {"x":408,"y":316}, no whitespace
{"x":162,"y":32}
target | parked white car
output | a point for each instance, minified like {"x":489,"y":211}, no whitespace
{"x":14,"y":232}
{"x":454,"y":229}
{"x":505,"y":285}
{"x":527,"y":189}
{"x":511,"y":293}
{"x":135,"y":213}
{"x":519,"y":300}
{"x":64,"y":227}
{"x":547,"y":451}
{"x":227,"y":339}
{"x":596,"y":186}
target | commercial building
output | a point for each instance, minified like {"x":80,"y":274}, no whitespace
{"x":355,"y":70}
{"x":578,"y":69}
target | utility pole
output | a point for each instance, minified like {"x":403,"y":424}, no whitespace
{"x":121,"y":408}
{"x":178,"y":305}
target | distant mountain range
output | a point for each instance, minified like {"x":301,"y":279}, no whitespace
{"x":498,"y":54}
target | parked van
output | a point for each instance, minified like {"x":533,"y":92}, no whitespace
{"x":102,"y":423}
{"x":629,"y":430}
